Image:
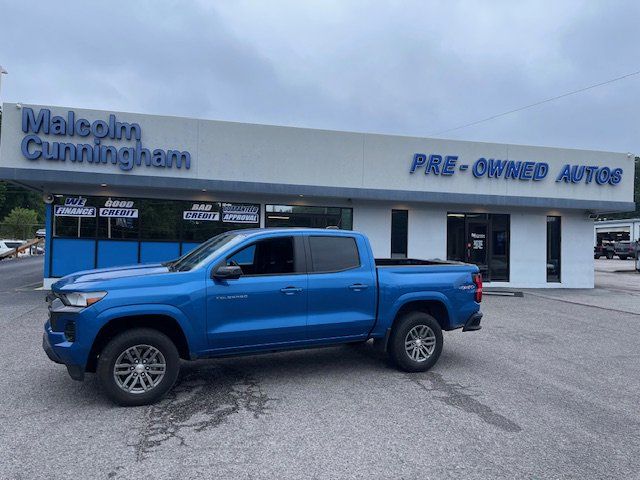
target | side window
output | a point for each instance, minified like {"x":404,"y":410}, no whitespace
{"x":333,"y":254}
{"x":272,"y":256}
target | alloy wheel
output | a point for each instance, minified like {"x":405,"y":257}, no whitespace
{"x":139,"y":369}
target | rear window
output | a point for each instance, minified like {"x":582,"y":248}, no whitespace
{"x":13,"y":244}
{"x":333,"y":254}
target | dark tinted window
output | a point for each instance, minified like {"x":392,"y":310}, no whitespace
{"x":399,"y":233}
{"x":456,"y":237}
{"x":309,"y":216}
{"x":553,"y":249}
{"x":499,"y":251}
{"x":118,"y":218}
{"x":66,"y":224}
{"x":159,"y":220}
{"x":332,"y":254}
{"x":268,"y":257}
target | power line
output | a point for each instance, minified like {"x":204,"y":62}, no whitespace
{"x":493,"y":117}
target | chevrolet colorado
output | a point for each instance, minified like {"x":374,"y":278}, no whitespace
{"x":250,"y":291}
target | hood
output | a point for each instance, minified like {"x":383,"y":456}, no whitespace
{"x":104,"y":274}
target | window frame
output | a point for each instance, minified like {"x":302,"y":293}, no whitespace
{"x":299,"y":257}
{"x":310,"y":255}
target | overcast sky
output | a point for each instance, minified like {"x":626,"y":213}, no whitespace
{"x":409,"y":68}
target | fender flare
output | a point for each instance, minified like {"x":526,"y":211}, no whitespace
{"x":417,"y":297}
{"x":106,"y":316}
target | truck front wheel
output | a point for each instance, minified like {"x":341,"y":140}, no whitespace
{"x":138,"y":366}
{"x":415,"y":343}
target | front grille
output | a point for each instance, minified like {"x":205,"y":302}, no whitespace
{"x":70,"y":331}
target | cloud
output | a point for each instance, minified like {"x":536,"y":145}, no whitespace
{"x":408,"y":67}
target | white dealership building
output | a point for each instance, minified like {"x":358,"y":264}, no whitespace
{"x":125,"y":188}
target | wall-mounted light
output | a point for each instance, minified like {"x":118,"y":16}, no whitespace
{"x":103,"y":184}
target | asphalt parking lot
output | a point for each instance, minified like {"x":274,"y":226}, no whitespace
{"x":548,"y":389}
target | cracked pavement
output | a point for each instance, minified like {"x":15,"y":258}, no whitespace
{"x":549,"y":388}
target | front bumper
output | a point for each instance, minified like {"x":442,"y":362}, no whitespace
{"x":46,"y":346}
{"x":63,"y":353}
{"x":473,"y":323}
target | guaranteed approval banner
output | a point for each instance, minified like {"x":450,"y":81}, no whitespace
{"x":237,"y":213}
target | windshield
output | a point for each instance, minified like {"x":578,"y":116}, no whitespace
{"x":201,"y":254}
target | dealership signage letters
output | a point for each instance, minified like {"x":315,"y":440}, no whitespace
{"x":447,"y":165}
{"x":34,"y":147}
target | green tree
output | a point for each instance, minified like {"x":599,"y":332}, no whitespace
{"x":16,"y":196}
{"x":21,"y":223}
{"x":12,"y":196}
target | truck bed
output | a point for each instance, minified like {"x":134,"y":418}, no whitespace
{"x":404,"y":262}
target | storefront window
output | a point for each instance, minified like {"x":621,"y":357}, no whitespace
{"x":201,"y":221}
{"x":553,"y":249}
{"x":499,"y":247}
{"x":149,"y":219}
{"x":481,"y":239}
{"x":74,"y":217}
{"x":118,"y":218}
{"x":399,"y":233}
{"x":456,"y":237}
{"x":160,"y":220}
{"x":309,"y":216}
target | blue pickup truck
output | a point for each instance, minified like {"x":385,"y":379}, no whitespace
{"x":251,"y":291}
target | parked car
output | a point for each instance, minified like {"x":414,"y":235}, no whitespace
{"x":251,"y":291}
{"x":603,"y":250}
{"x":8,"y":245}
{"x":41,"y":233}
{"x":626,"y":249}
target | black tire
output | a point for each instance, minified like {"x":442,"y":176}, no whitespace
{"x":119,"y":345}
{"x":396,"y":347}
{"x":622,"y":257}
{"x":609,"y":256}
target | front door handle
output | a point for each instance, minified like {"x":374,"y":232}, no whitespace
{"x":291,"y":290}
{"x":358,"y":287}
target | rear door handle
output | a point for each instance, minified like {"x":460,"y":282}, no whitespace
{"x":291,"y":290}
{"x":358,"y":286}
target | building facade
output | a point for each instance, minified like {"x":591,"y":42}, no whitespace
{"x":619,"y":230}
{"x":125,"y":188}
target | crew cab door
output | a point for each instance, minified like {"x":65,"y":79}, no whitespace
{"x":342,"y":287}
{"x":268,"y":304}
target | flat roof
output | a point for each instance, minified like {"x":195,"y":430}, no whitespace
{"x":203,"y":158}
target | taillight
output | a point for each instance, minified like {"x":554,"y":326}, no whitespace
{"x":477,"y":279}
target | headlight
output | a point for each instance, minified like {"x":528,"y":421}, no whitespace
{"x":81,"y":299}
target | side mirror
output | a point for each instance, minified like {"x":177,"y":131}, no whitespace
{"x":227,"y":272}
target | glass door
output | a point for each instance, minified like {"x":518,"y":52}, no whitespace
{"x":477,"y":242}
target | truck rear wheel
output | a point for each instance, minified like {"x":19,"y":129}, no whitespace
{"x":138,"y":366}
{"x":415,"y":343}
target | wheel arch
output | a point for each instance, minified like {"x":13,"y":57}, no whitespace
{"x":434,"y":307}
{"x":161,"y":322}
